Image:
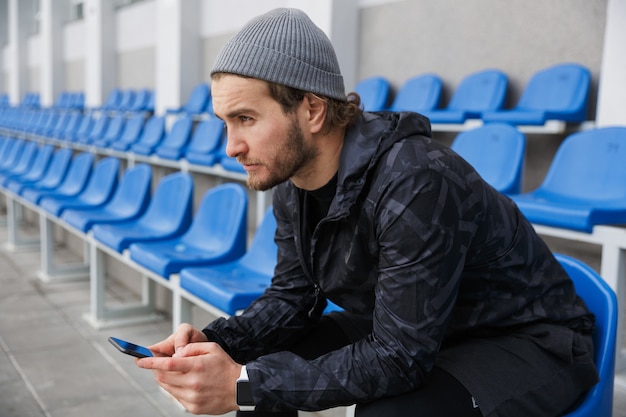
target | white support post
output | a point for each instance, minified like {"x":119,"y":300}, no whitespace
{"x":612,"y":84}
{"x":51,"y":30}
{"x":177,"y":52}
{"x":49,"y":270}
{"x":100,"y":62}
{"x":17,"y":56}
{"x":15,"y":241}
{"x":101,"y":316}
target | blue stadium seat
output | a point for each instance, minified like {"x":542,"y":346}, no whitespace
{"x":130,"y":201}
{"x":151,"y":134}
{"x":217,"y":234}
{"x":141,"y":102}
{"x":374,"y":93}
{"x":205,"y":142}
{"x":197,"y":102}
{"x":232,"y":286}
{"x":97,"y":130}
{"x":12,"y":157}
{"x":130,"y":130}
{"x":168,"y":215}
{"x":23,"y":164}
{"x":53,"y":177}
{"x":74,"y":182}
{"x":418,"y":94}
{"x":69,"y":127}
{"x":497,"y":151}
{"x":151,"y":139}
{"x":602,"y":302}
{"x":48,"y":124}
{"x":113,"y":99}
{"x":584,"y":185}
{"x":97,"y":191}
{"x":560,"y":92}
{"x":112,"y":132}
{"x":60,"y":124}
{"x":477,"y":93}
{"x":175,"y":143}
{"x":37,"y":169}
{"x":126,"y":100}
{"x":82,"y":130}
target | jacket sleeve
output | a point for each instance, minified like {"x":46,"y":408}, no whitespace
{"x":423,"y":222}
{"x":283,"y":314}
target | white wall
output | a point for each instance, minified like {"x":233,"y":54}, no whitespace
{"x":74,"y":41}
{"x":136,"y":26}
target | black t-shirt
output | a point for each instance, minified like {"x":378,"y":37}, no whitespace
{"x":315,"y":206}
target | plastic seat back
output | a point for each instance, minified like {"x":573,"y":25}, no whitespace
{"x":602,"y":302}
{"x":589,"y":165}
{"x":70,"y":126}
{"x":207,"y":136}
{"x":98,"y":129}
{"x":153,"y":131}
{"x":374,"y":93}
{"x":497,"y":152}
{"x":5,"y":147}
{"x":132,"y":196}
{"x":561,"y":90}
{"x":151,"y":102}
{"x":58,"y":168}
{"x":481,"y":91}
{"x":179,"y":134}
{"x":141,"y":100}
{"x":102,"y":181}
{"x":132,"y":129}
{"x":262,"y":254}
{"x":115,"y":128}
{"x":113,"y":99}
{"x":419,"y":93}
{"x":197,"y":101}
{"x":40,"y":164}
{"x":220,"y":220}
{"x":78,"y":174}
{"x":26,"y":157}
{"x":83,"y":129}
{"x":171,"y":206}
{"x":13,"y":156}
{"x":126,"y":100}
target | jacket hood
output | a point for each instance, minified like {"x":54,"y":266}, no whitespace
{"x":367,"y":140}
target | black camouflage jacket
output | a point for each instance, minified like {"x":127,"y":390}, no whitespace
{"x":413,"y":237}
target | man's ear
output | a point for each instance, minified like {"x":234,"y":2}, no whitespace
{"x":317,"y":108}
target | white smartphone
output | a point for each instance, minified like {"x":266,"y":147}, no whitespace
{"x":130,"y":348}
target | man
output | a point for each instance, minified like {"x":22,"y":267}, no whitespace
{"x":451,"y":303}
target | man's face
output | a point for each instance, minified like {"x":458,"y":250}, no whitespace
{"x":270,"y":144}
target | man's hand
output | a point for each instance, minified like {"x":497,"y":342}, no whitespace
{"x":184,"y":335}
{"x":199,"y":374}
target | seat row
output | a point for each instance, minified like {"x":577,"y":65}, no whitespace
{"x":120,"y":216}
{"x":552,"y":99}
{"x":118,"y":100}
{"x":557,"y":94}
{"x":200,"y":142}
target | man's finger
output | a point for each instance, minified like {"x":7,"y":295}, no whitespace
{"x":165,"y":364}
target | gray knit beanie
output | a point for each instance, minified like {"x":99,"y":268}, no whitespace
{"x":284,"y":46}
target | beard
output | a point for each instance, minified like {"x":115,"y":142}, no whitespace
{"x":291,"y":154}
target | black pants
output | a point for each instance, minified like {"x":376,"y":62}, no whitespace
{"x":442,"y":396}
